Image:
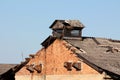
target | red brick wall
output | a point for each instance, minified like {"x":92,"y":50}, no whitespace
{"x":53,"y":59}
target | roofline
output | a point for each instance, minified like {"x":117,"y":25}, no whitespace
{"x":100,"y":70}
{"x":63,"y":22}
{"x":55,"y":22}
{"x":19,"y":66}
{"x":50,"y":39}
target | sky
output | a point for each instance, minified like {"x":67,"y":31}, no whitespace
{"x":24,"y":24}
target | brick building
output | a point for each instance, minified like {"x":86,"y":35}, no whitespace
{"x":67,"y":55}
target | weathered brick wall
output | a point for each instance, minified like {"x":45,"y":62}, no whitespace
{"x":39,"y":58}
{"x":57,"y":54}
{"x":52,"y":60}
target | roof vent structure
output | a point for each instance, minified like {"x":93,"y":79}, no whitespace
{"x":67,"y":28}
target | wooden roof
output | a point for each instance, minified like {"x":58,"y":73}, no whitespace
{"x":60,"y":24}
{"x":104,"y":53}
{"x":48,"y":41}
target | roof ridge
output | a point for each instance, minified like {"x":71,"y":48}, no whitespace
{"x":95,"y":37}
{"x":113,"y":40}
{"x":7,"y":64}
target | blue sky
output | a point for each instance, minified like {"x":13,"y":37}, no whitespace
{"x":24,"y":24}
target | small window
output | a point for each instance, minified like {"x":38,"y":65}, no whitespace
{"x":59,"y":31}
{"x":75,"y":33}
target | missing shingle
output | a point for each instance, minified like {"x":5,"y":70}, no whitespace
{"x":110,"y":48}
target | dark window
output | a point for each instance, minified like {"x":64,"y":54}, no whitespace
{"x":59,"y":31}
{"x":68,"y":32}
{"x":75,"y":33}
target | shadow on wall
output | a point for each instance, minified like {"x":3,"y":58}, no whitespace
{"x":9,"y":75}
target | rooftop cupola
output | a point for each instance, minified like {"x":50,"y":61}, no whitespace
{"x":67,"y":28}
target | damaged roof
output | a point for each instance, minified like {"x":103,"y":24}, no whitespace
{"x":60,"y":24}
{"x":104,"y":53}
